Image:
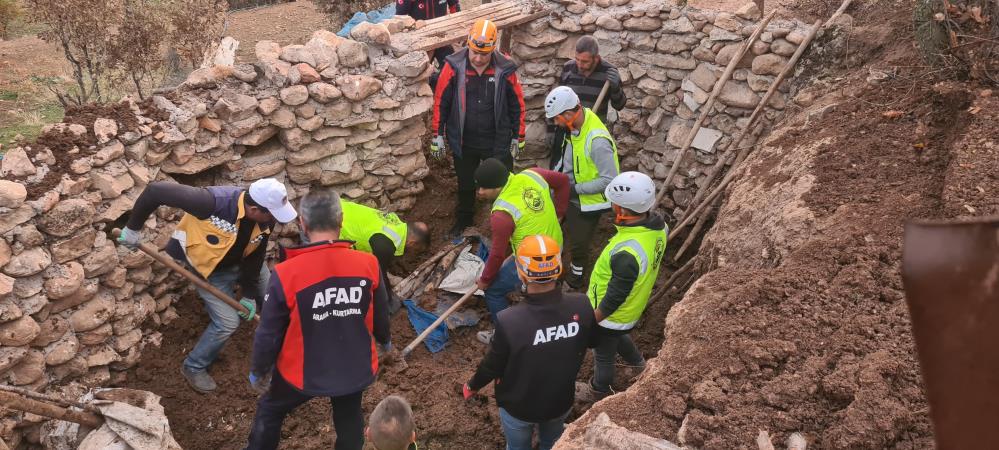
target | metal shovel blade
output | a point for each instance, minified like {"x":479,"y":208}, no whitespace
{"x":950,"y":272}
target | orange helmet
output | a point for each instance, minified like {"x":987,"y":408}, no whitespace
{"x":539,"y":259}
{"x":482,"y":38}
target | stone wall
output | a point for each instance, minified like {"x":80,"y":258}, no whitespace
{"x":669,"y":58}
{"x":77,"y":309}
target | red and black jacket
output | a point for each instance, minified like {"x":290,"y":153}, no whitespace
{"x":324,"y":309}
{"x":449,"y":101}
{"x":426,"y":9}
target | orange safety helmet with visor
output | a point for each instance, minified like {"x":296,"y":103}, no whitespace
{"x":482,"y":38}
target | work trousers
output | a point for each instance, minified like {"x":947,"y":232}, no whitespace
{"x":518,"y":432}
{"x":464,"y":169}
{"x":281,"y":399}
{"x":610,"y":345}
{"x":580,"y":227}
{"x":224,"y":318}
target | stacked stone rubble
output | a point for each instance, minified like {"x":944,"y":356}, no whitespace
{"x":669,"y":58}
{"x":74,"y":307}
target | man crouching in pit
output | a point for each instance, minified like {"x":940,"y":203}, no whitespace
{"x":325,"y":308}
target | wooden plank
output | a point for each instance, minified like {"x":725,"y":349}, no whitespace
{"x":458,"y":22}
{"x":469,"y":15}
{"x":437,"y":42}
{"x":463,"y":23}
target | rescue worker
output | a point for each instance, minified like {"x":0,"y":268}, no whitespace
{"x":530,"y":202}
{"x":591,"y":163}
{"x":623,"y":277}
{"x":426,"y":10}
{"x":325,"y":309}
{"x":222,"y":237}
{"x":383,"y":235}
{"x":391,"y":425}
{"x":586,"y":75}
{"x":478,"y":114}
{"x":539,"y":347}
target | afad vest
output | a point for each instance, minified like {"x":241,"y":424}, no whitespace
{"x":526,"y":198}
{"x":648,"y":247}
{"x":361,"y":222}
{"x":205,"y":242}
{"x":583,"y":167}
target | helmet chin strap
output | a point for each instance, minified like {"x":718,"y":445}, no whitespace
{"x":569,"y":124}
{"x":621,"y":216}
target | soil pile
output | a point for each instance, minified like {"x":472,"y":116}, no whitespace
{"x":800,"y":323}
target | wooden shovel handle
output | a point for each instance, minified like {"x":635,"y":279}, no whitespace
{"x":409,"y":348}
{"x":198,"y":281}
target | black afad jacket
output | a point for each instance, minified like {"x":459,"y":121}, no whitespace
{"x":536,"y":354}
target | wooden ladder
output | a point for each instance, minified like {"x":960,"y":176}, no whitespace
{"x":453,"y":28}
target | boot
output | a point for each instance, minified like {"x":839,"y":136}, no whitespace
{"x":199,"y":381}
{"x":485,"y":337}
{"x":586,"y":393}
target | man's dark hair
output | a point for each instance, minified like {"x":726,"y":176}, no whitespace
{"x":321,"y":210}
{"x":419,"y":233}
{"x":391,"y":424}
{"x":250,"y":202}
{"x":587,"y":44}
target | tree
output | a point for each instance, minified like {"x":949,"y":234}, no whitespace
{"x":110,"y":41}
{"x":8,"y":12}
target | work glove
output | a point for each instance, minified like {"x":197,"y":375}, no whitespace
{"x":614,"y":78}
{"x":437,"y":147}
{"x":130,"y":238}
{"x":516,"y":146}
{"x":260,"y":383}
{"x":251,"y":308}
{"x":467,"y":392}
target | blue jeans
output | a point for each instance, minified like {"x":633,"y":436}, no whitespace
{"x":506,"y":281}
{"x":224,"y":319}
{"x":518,"y":433}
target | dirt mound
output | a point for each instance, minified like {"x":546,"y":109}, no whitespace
{"x":800,"y":325}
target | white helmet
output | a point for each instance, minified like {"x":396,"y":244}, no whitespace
{"x":560,"y":100}
{"x":632,"y":190}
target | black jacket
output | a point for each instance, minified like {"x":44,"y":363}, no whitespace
{"x":536,"y":354}
{"x":426,"y":9}
{"x":449,"y":102}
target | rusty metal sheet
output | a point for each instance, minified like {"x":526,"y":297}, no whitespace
{"x":951,"y":277}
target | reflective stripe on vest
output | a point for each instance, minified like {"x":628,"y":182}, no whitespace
{"x":583,"y":168}
{"x":361,"y":222}
{"x":528,"y":200}
{"x":647,"y":247}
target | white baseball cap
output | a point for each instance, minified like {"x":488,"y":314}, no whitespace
{"x":272,"y":194}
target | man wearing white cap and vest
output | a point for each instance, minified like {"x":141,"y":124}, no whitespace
{"x":223,"y":237}
{"x":623,"y":277}
{"x":384,"y":235}
{"x":591,"y":162}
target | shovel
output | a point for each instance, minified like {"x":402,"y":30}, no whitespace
{"x":950,"y":271}
{"x":198,"y":281}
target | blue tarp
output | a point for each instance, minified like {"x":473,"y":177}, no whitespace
{"x":375,"y":16}
{"x":421,"y":319}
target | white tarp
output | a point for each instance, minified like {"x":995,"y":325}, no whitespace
{"x":466,"y":270}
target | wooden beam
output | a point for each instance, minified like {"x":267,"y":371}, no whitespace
{"x":459,"y":35}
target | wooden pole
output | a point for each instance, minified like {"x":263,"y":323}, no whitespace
{"x":752,"y":118}
{"x":672,"y":279}
{"x":47,"y":398}
{"x":706,"y":108}
{"x":839,"y":12}
{"x":198,"y":281}
{"x":409,"y":348}
{"x":693,"y":233}
{"x":601,"y":96}
{"x":21,"y":403}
